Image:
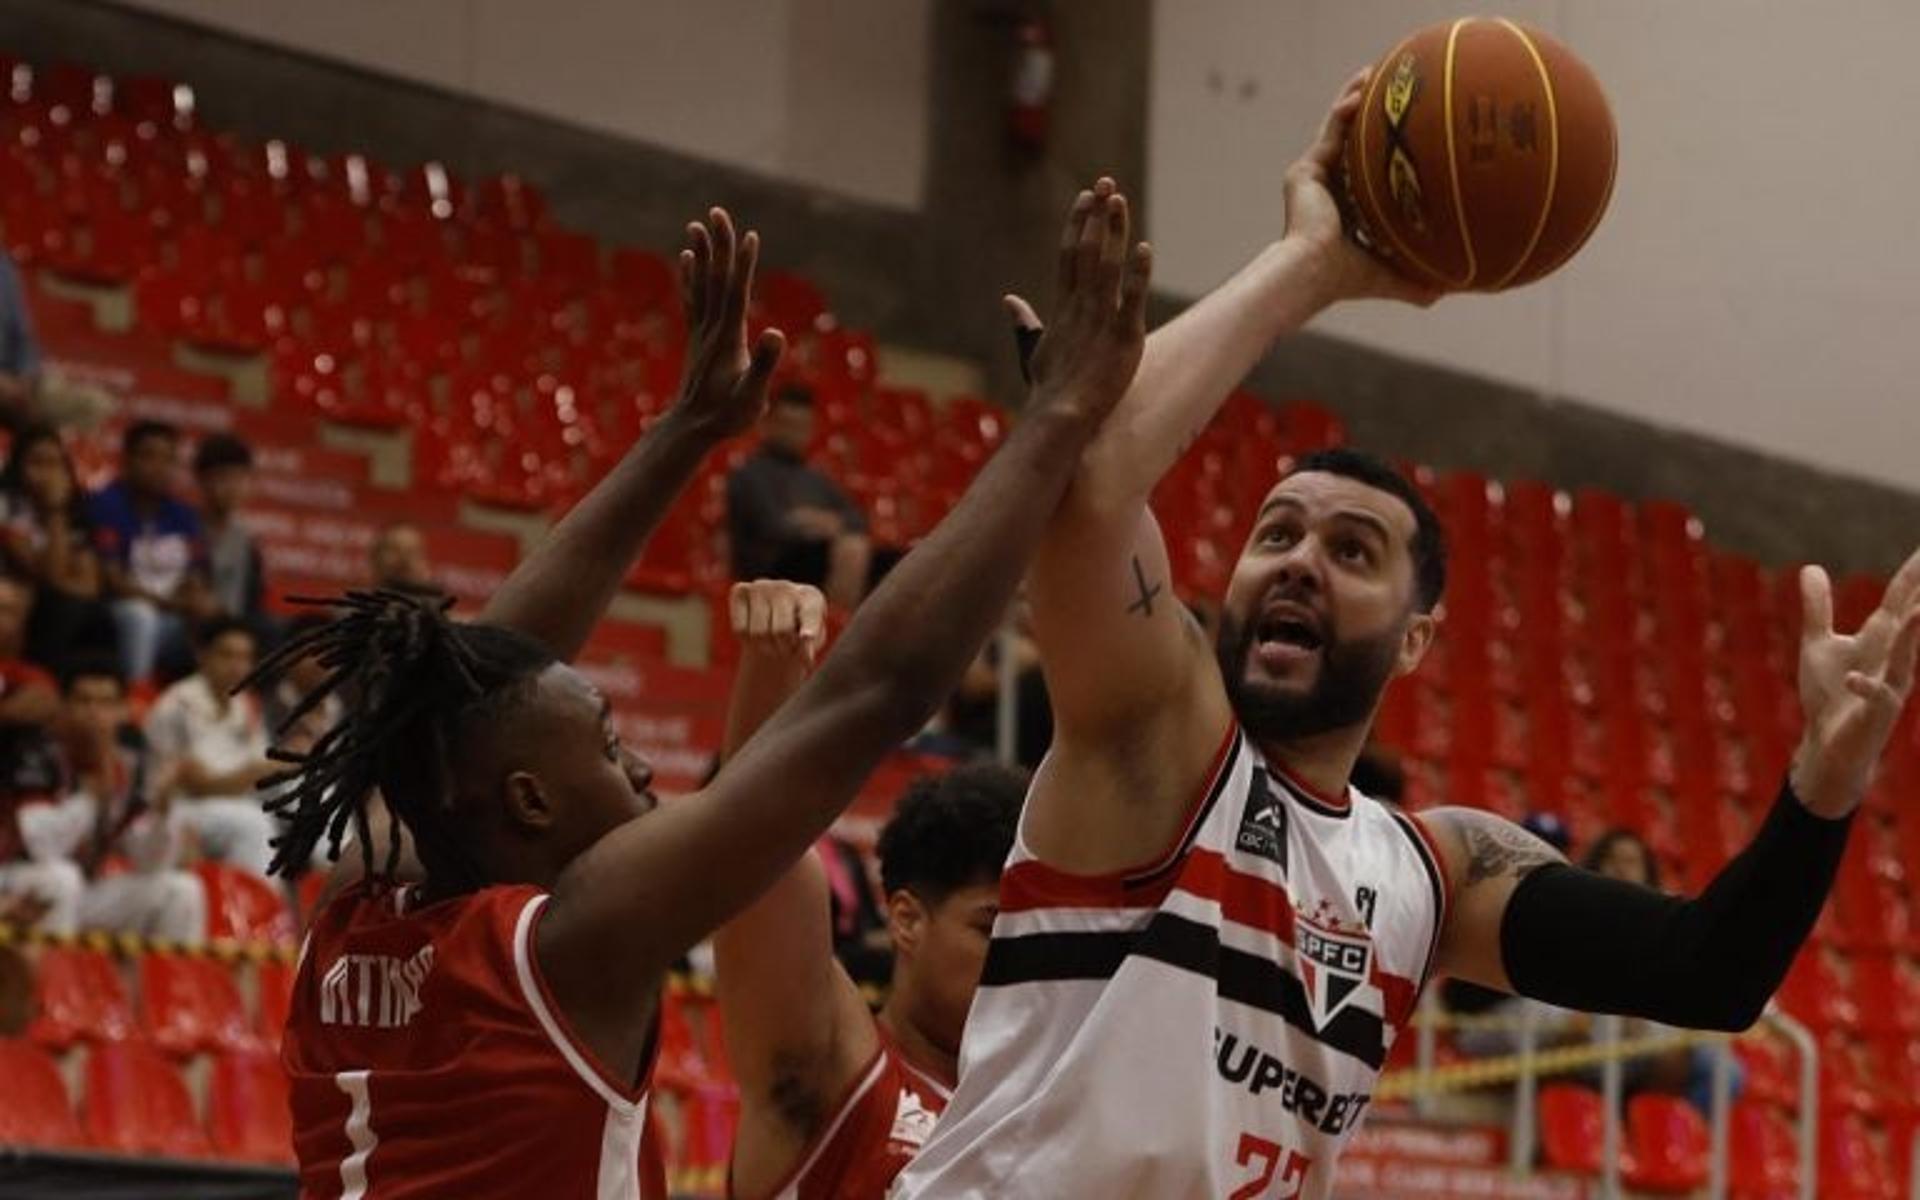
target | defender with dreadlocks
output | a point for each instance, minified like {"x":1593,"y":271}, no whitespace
{"x":490,"y":1031}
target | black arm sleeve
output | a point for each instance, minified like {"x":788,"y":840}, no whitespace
{"x":1583,"y":941}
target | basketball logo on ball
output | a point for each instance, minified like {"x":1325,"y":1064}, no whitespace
{"x":1482,"y":157}
{"x":1403,"y":178}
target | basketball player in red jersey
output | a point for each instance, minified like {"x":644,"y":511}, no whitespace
{"x":1208,"y":940}
{"x":490,"y":1031}
{"x":834,"y":1100}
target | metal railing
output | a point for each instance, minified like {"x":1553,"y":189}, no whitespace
{"x":1609,"y":1051}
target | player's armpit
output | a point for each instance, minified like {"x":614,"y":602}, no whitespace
{"x":797,"y":1030}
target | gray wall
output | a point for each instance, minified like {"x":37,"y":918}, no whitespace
{"x":933,"y":279}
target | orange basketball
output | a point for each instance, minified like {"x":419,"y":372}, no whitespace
{"x":1482,"y":157}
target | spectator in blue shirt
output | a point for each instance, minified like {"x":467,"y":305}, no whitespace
{"x":19,"y":350}
{"x":153,"y":554}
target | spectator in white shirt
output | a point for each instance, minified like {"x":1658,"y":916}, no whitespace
{"x":110,"y":805}
{"x":213,"y":746}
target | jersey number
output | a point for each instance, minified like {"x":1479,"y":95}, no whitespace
{"x":1269,"y":1160}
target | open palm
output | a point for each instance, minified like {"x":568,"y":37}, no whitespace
{"x":1852,"y":687}
{"x":724,"y":384}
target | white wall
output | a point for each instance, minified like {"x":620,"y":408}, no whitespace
{"x":830,"y":93}
{"x":1758,"y":276}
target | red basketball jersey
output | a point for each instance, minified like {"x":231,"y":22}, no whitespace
{"x":873,"y":1135}
{"x":427,"y":1058}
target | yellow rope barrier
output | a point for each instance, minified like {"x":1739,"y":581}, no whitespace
{"x":1458,"y":1077}
{"x":131,"y":945}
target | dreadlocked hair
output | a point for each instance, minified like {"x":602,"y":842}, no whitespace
{"x":413,"y":681}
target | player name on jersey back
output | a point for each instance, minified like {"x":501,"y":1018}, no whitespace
{"x":378,"y":991}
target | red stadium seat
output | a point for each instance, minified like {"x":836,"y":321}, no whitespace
{"x":1889,"y":996}
{"x":191,"y":1004}
{"x":34,"y":1107}
{"x":1573,"y":1129}
{"x":1668,"y":1141}
{"x":247,"y":1113}
{"x":273,"y":983}
{"x":1771,"y":1073}
{"x":1854,"y":1164}
{"x":137,"y":1104}
{"x":80,"y":998}
{"x":1815,"y":993}
{"x":1764,"y":1156}
{"x":1901,"y":1132}
{"x":243,"y":906}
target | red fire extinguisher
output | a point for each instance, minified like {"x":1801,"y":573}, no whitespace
{"x":1032,"y":90}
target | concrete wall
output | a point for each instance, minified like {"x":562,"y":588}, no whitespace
{"x":827,"y":93}
{"x":1753,"y":279}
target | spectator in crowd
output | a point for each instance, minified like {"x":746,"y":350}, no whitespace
{"x":29,"y":766}
{"x":398,"y":559}
{"x":213,"y":744}
{"x":46,"y":537}
{"x":152,"y":552}
{"x":19,"y":350}
{"x":300,"y":679}
{"x":27,"y":694}
{"x":110,"y":804}
{"x":223,"y":466}
{"x":787,"y":520}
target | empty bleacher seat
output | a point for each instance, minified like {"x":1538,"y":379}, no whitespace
{"x":191,"y":1005}
{"x":136,"y":1103}
{"x":247,"y":1109}
{"x":79,"y":998}
{"x":35,"y":1109}
{"x":1667,"y":1141}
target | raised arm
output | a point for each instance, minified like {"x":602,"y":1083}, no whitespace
{"x":560,"y":591}
{"x":1523,"y":921}
{"x":657,"y":885}
{"x":1126,"y":667}
{"x":797,"y":1030}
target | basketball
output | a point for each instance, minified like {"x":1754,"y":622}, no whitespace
{"x":1482,"y":157}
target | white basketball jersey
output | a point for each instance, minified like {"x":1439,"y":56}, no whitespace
{"x":1208,"y":1027}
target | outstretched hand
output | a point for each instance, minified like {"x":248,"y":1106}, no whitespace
{"x":724,"y":384}
{"x":1084,"y":362}
{"x":1313,"y":214}
{"x":1852,"y":688}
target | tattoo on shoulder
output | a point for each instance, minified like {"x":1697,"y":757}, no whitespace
{"x":1496,"y":851}
{"x":1148,"y":591}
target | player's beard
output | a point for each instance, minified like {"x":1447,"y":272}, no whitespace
{"x":1353,"y":672}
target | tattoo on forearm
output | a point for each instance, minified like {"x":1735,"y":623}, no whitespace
{"x":1492,"y":853}
{"x":1144,"y":605}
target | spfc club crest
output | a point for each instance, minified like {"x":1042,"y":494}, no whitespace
{"x":1334,"y":965}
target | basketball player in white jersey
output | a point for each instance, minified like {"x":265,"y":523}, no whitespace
{"x":1207,"y":939}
